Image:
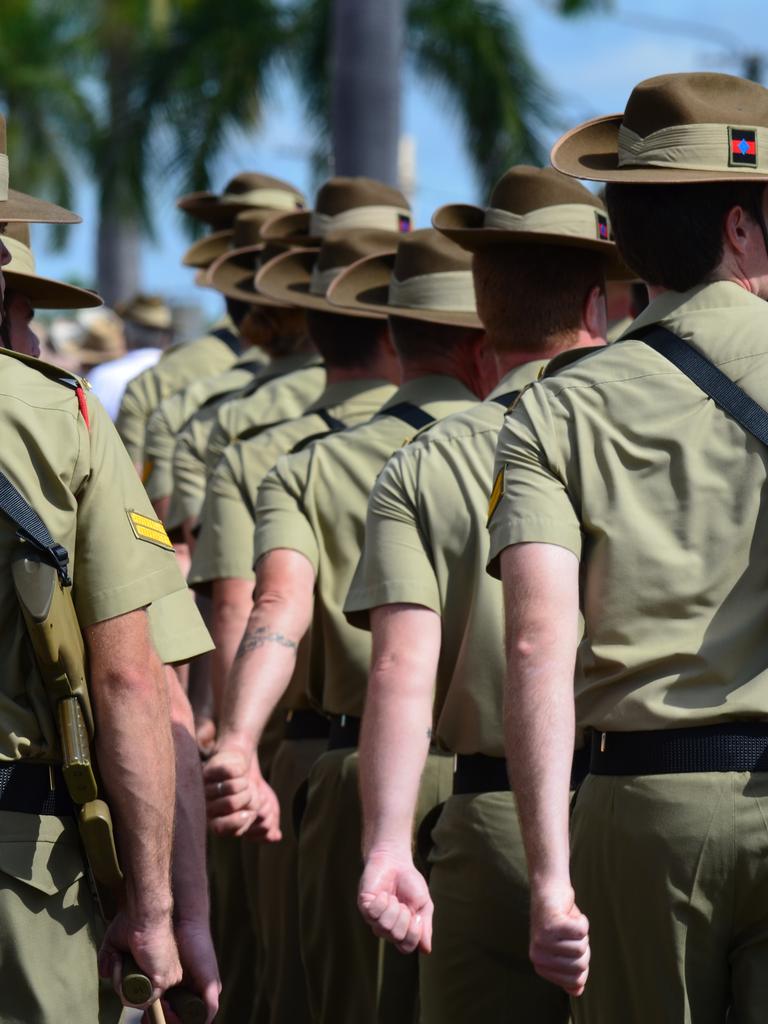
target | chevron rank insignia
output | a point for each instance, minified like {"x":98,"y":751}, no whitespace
{"x":496,"y":494}
{"x":148,"y":529}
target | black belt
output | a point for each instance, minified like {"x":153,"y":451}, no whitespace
{"x":306,"y":724}
{"x":26,"y":787}
{"x":345,"y":732}
{"x":730,"y":747}
{"x":478,"y":773}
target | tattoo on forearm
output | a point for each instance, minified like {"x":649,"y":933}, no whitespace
{"x":260,"y":635}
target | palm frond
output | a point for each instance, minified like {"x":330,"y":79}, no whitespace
{"x":473,"y":51}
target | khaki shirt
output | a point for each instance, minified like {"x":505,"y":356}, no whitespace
{"x":202,"y":442}
{"x":426,"y":543}
{"x":315,"y":502}
{"x":178,"y":631}
{"x":84,"y":487}
{"x":174,"y":412}
{"x":179,"y":366}
{"x":622,"y":460}
{"x":224,"y":548}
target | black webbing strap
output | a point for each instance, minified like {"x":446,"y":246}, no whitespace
{"x":506,"y":399}
{"x":410,"y":414}
{"x":712,"y":381}
{"x":31,"y":528}
{"x":229,"y":338}
{"x":334,"y":426}
{"x":729,"y":747}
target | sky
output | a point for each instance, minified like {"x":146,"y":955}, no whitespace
{"x":590,"y":63}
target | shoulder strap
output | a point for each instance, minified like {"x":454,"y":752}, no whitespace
{"x":229,"y":338}
{"x":506,"y":399}
{"x":31,"y":528}
{"x":410,"y":414}
{"x":334,"y":426}
{"x":712,"y":381}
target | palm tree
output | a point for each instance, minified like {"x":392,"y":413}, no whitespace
{"x":471,"y":49}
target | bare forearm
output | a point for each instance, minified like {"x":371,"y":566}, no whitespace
{"x":190,"y":882}
{"x":397,"y":723}
{"x":232,"y":603}
{"x":135,"y":752}
{"x":542,"y":632}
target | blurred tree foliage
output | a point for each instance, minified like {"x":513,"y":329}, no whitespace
{"x":129,"y":90}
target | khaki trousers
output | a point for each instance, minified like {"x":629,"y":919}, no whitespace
{"x":479,"y":967}
{"x":49,"y":927}
{"x":672,"y":871}
{"x":283,"y":973}
{"x":352,"y":978}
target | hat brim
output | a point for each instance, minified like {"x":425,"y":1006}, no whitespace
{"x":204,"y":251}
{"x":20,"y":208}
{"x":591,"y":151}
{"x":225,"y":275}
{"x":290,"y":229}
{"x":208,"y":208}
{"x":287,"y":277}
{"x":365,"y":286}
{"x":46,"y":293}
{"x":464,"y":225}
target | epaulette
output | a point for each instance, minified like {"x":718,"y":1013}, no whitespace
{"x":566,"y":358}
{"x":79,"y":385}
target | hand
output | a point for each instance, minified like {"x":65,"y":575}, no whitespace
{"x":559,"y":946}
{"x":152,"y":946}
{"x":205,"y":734}
{"x":239,"y":801}
{"x":394,"y":899}
{"x":198,"y":959}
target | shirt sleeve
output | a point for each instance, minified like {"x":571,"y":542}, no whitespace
{"x":158,"y":452}
{"x":178,"y":631}
{"x":282,"y":518}
{"x":394,"y":567}
{"x":132,"y":418}
{"x":224,"y":548}
{"x":124,"y":559}
{"x":529,"y":500}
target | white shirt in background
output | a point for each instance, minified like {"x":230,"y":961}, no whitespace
{"x":110,"y":380}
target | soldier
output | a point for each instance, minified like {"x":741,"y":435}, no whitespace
{"x":147,"y":330}
{"x":342,"y":203}
{"x":436,"y":617}
{"x":625,"y":491}
{"x":217,"y":350}
{"x":62,"y":455}
{"x":361,"y":365}
{"x":310,"y":516}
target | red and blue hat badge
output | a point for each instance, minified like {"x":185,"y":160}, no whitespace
{"x":742,"y":150}
{"x":603,"y":230}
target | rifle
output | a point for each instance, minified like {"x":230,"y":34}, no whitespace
{"x":57,"y":641}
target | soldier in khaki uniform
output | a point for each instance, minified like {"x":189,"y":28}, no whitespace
{"x":217,"y":350}
{"x":263,"y":333}
{"x":436,"y":617}
{"x":309,"y":523}
{"x":361,"y":365}
{"x":341,"y":204}
{"x":628,"y":493}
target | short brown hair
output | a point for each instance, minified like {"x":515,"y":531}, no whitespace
{"x":418,"y":339}
{"x":345,"y":341}
{"x":528,"y":295}
{"x":672,"y":235}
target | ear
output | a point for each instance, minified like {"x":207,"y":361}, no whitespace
{"x":595,"y":312}
{"x":738,"y":230}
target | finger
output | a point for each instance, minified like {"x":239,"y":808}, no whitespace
{"x":228,"y":805}
{"x":412,"y":938}
{"x":226,"y":787}
{"x":425,"y":943}
{"x":222,"y":767}
{"x":390,"y":915}
{"x":211,"y":998}
{"x":373,"y":904}
{"x":230,"y":824}
{"x":403,"y":923}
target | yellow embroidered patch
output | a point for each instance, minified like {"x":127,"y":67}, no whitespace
{"x":496,"y":494}
{"x":148,"y":529}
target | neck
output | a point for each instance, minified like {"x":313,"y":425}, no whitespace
{"x":550,"y":347}
{"x":340,"y":374}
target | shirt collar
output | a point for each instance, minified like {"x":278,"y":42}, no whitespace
{"x":435,"y":387}
{"x":344,"y":390}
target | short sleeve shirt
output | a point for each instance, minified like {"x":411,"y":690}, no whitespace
{"x":202,"y":442}
{"x":176,"y":410}
{"x":315,"y":502}
{"x":178,"y":367}
{"x":178,"y":631}
{"x":623,"y":461}
{"x":82,"y":484}
{"x":426,"y":543}
{"x":224,"y":548}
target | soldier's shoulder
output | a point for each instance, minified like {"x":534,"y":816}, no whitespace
{"x":36,"y":372}
{"x":617,"y":363}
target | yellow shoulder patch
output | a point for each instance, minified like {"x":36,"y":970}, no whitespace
{"x":496,"y":494}
{"x":148,"y":529}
